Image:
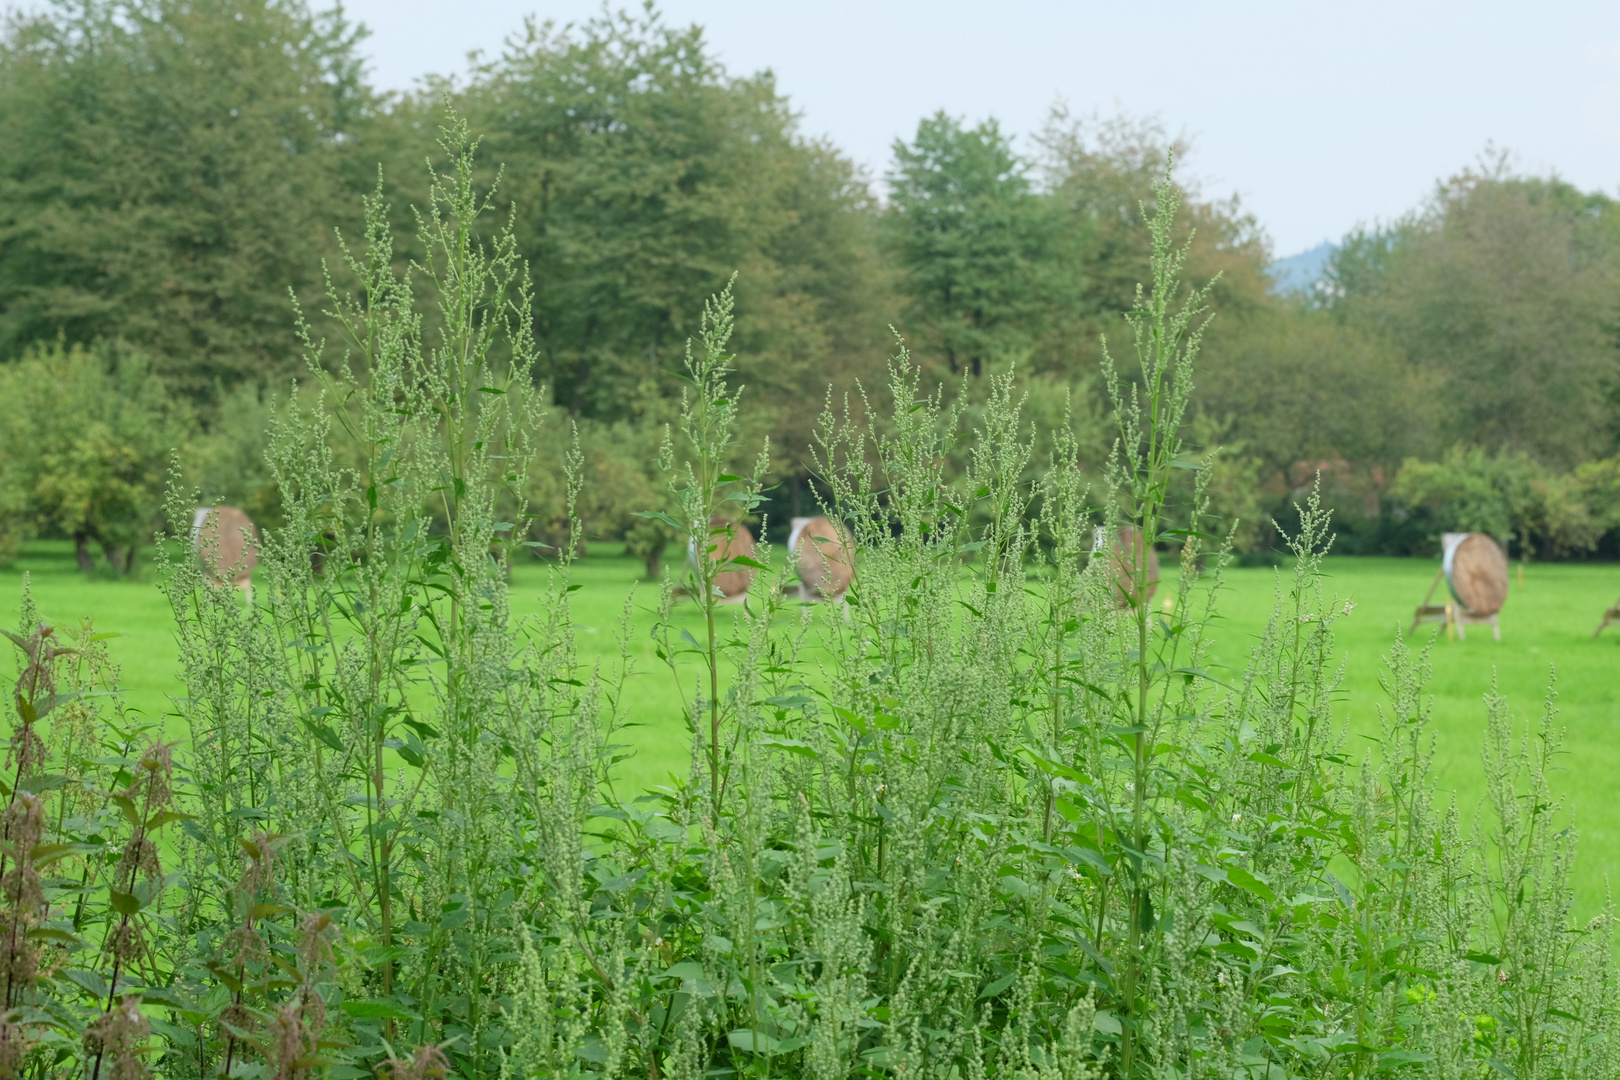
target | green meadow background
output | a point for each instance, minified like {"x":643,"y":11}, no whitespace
{"x":1547,"y":627}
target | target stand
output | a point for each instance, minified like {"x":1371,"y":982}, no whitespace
{"x":1610,"y":616}
{"x":1441,"y":613}
{"x":1474,"y":569}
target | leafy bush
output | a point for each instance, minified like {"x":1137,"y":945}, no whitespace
{"x":1502,"y":494}
{"x":1512,"y":497}
{"x":85,"y":441}
{"x":980,"y":821}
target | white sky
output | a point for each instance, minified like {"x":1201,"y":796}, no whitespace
{"x":1319,"y":115}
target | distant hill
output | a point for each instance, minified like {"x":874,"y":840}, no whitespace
{"x":1300,"y":273}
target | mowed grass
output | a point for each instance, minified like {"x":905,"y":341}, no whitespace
{"x":1547,"y":625}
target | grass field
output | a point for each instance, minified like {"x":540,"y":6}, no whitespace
{"x":1546,"y":625}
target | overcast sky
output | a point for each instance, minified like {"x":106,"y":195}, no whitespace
{"x":1318,"y":115}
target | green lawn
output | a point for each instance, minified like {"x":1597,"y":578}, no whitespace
{"x":1549,"y":623}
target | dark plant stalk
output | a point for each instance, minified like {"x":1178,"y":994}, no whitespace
{"x":123,"y":925}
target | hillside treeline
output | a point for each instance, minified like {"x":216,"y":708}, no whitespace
{"x":182,"y":178}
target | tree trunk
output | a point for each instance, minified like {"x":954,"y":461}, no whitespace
{"x":655,"y":561}
{"x":81,"y":548}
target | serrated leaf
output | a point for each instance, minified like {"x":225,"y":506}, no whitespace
{"x":1248,"y":882}
{"x":665,"y":831}
{"x":89,"y":981}
{"x":168,"y":998}
{"x":127,"y":806}
{"x":792,"y":746}
{"x":324,"y":734}
{"x":758,"y":1042}
{"x":163,"y":817}
{"x":997,"y":986}
{"x":377,"y":1010}
{"x":173,"y":1033}
{"x":42,"y":855}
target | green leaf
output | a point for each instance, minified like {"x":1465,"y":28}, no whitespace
{"x":1248,"y":882}
{"x":658,"y":515}
{"x":89,"y":981}
{"x":759,"y":1043}
{"x":168,"y":998}
{"x":124,"y":903}
{"x":997,"y":986}
{"x":1392,"y":1059}
{"x":127,"y":805}
{"x":792,"y":746}
{"x":662,"y":829}
{"x":42,"y":782}
{"x":325,"y":734}
{"x":1089,"y":856}
{"x":163,"y":817}
{"x":42,"y":855}
{"x":377,"y":1010}
{"x":686,"y":969}
{"x":173,"y":1033}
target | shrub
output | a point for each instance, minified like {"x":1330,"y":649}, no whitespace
{"x":86,"y":438}
{"x":1501,"y":494}
{"x":981,"y":821}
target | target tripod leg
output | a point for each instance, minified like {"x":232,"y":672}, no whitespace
{"x":1417,"y":616}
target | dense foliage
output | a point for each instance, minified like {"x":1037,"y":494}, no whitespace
{"x":171,"y":171}
{"x":176,"y":169}
{"x":992,"y":817}
{"x":84,"y":449}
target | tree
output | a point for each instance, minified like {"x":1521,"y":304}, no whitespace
{"x":1099,"y":174}
{"x":1502,"y":494}
{"x":169,"y":171}
{"x":87,"y":437}
{"x":1303,"y":388}
{"x":643,"y":177}
{"x":1504,"y":289}
{"x":971,"y":241}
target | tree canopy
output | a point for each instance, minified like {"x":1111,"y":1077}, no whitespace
{"x":178,"y":171}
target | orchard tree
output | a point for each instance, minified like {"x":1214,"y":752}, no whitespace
{"x":87,"y":436}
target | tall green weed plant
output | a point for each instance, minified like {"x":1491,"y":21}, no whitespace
{"x":995,"y":815}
